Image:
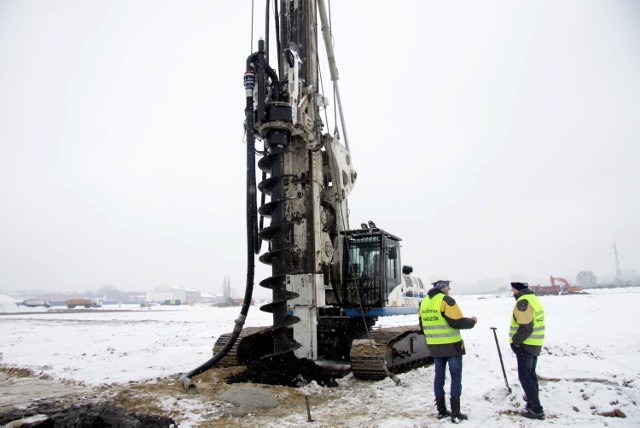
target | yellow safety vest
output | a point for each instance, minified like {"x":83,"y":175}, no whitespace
{"x":434,"y":326}
{"x":537,"y":336}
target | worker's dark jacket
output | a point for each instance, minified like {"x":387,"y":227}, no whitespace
{"x":452,"y":314}
{"x":523,"y":314}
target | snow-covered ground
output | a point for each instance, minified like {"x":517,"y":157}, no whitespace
{"x":590,"y":365}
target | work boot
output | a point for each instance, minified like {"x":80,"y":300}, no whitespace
{"x":441,"y":404}
{"x":528,"y":413}
{"x":455,"y":411}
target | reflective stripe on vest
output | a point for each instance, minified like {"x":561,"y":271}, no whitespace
{"x":537,"y":336}
{"x":434,"y":326}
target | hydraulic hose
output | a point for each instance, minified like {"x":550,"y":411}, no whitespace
{"x":252,"y":234}
{"x":326,"y":35}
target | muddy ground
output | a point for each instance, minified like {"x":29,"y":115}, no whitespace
{"x":155,"y":402}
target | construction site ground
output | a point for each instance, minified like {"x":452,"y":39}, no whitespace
{"x":215,"y":403}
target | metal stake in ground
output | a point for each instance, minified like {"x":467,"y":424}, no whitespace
{"x":495,"y":336}
{"x":306,"y":400}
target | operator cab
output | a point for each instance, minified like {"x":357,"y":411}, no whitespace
{"x":371,"y":268}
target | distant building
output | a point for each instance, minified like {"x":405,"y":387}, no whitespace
{"x":170,"y":293}
{"x":134,"y":297}
{"x":211,"y":298}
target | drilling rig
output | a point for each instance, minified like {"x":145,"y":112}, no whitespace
{"x":329,"y":283}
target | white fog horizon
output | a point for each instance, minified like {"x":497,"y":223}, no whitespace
{"x":491,"y":137}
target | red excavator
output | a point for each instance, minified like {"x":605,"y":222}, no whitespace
{"x":558,"y":287}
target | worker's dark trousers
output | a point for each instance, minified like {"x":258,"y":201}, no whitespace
{"x":455,"y":369}
{"x":528,"y":377}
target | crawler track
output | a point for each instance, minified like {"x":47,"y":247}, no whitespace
{"x":251,"y":344}
{"x":397,"y":349}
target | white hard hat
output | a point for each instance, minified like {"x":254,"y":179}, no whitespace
{"x":519,"y":278}
{"x":437,"y":277}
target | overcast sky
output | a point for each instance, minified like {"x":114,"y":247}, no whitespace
{"x":492,"y":136}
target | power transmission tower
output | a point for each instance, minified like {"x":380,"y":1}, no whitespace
{"x":614,"y":251}
{"x":226,"y":288}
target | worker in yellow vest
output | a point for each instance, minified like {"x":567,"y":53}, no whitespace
{"x":441,"y":320}
{"x":526,"y":336}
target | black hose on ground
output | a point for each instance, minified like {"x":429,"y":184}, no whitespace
{"x":252,"y":234}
